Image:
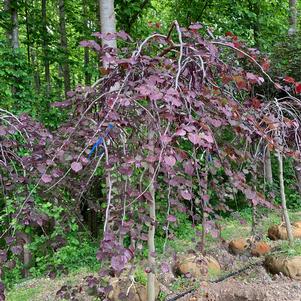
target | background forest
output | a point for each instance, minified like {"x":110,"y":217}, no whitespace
{"x":235,"y":157}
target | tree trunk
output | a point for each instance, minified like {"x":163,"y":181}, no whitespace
{"x":6,"y":11}
{"x":107,"y":21}
{"x":86,"y":50}
{"x":12,"y":33}
{"x":64,"y":46}
{"x":268,"y":168}
{"x":256,"y":24}
{"x":204,"y":205}
{"x":292,"y":17}
{"x":151,"y":231}
{"x":27,"y":256}
{"x":28,"y":41}
{"x":298,"y":175}
{"x":254,"y":207}
{"x":283,"y":199}
{"x":15,"y":25}
{"x":36,"y":75}
{"x":45,"y":48}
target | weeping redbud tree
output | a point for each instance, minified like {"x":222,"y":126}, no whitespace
{"x":155,"y":125}
{"x":175,"y":96}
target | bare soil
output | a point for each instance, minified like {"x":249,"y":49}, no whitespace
{"x":255,"y":284}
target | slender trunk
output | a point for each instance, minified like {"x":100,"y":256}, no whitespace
{"x":292,"y":17}
{"x":298,"y":175}
{"x":86,"y":50}
{"x":268,"y":168}
{"x":12,"y":33}
{"x":107,"y":21}
{"x":86,"y":66}
{"x":15,"y":25}
{"x":36,"y":75}
{"x":151,"y":231}
{"x":28,"y":41}
{"x":6,"y":10}
{"x":27,"y":256}
{"x":204,"y":206}
{"x":256,"y":24}
{"x":283,"y":200}
{"x":45,"y":48}
{"x":64,"y":46}
{"x":254,"y":207}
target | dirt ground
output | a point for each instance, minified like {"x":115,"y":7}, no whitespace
{"x":265,"y":289}
{"x":255,"y":284}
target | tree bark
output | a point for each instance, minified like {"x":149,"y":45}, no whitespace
{"x":86,"y":50}
{"x":64,"y":46}
{"x":107,"y":21}
{"x":292,"y":17}
{"x":15,"y":25}
{"x":254,"y":207}
{"x":6,"y":11}
{"x":27,"y":256}
{"x":283,"y":200}
{"x":268,"y":167}
{"x":36,"y":75}
{"x":28,"y":40}
{"x":151,"y":231}
{"x":45,"y":48}
{"x":12,"y":30}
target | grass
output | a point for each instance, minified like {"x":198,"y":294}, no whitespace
{"x":44,"y":289}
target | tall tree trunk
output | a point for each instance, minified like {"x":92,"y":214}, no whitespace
{"x":64,"y":46}
{"x":45,"y":48}
{"x":283,"y":200}
{"x":15,"y":25}
{"x":292,"y":17}
{"x":86,"y":50}
{"x":36,"y":75}
{"x":6,"y":11}
{"x":12,"y":32}
{"x":28,"y":40}
{"x":107,"y":21}
{"x":255,"y":8}
{"x":151,"y":230}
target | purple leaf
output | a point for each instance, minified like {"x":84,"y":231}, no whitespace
{"x":118,"y":262}
{"x":208,"y":137}
{"x":17,"y":250}
{"x":205,"y":197}
{"x":2,"y":131}
{"x":76,"y":166}
{"x":189,"y":168}
{"x":196,"y":26}
{"x":3,"y":256}
{"x":170,"y":160}
{"x":165,"y":267}
{"x":46,"y":178}
{"x":186,"y":195}
{"x":194,"y":138}
{"x":171,"y":218}
{"x":180,"y":132}
{"x":165,"y":139}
